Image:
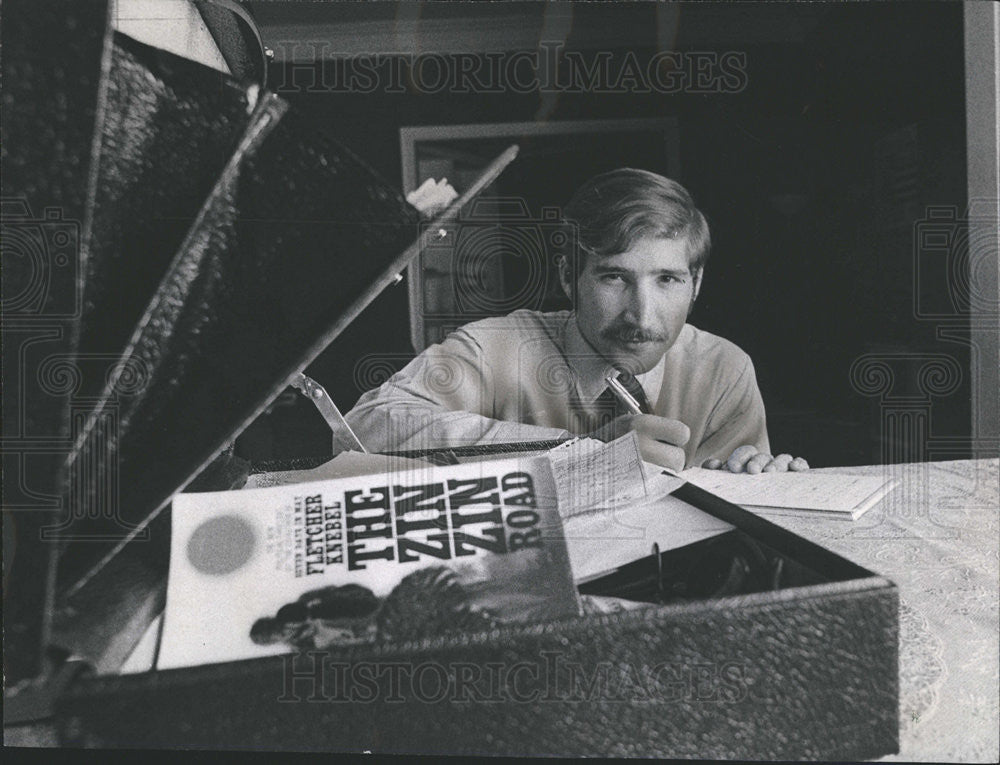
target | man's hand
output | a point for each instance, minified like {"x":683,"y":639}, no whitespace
{"x":661,"y":440}
{"x":747,"y":459}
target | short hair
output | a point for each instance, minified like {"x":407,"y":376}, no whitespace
{"x":614,"y":209}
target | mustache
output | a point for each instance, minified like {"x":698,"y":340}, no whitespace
{"x":628,"y":333}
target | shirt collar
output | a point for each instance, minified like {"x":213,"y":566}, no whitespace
{"x":652,"y":381}
{"x":590,"y":368}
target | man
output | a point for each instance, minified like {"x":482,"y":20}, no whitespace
{"x":633,"y":277}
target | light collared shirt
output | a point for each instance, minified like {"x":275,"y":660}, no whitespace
{"x":532,"y":376}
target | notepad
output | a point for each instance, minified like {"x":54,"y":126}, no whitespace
{"x":834,"y":495}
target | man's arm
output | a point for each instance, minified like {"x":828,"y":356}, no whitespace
{"x":444,"y":397}
{"x":740,"y":443}
{"x":737,"y":420}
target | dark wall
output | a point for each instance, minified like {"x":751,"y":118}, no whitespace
{"x":814,"y":177}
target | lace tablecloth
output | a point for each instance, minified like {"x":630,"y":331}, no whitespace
{"x":937,"y":537}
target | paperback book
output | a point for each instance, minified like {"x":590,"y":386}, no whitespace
{"x":384,"y":557}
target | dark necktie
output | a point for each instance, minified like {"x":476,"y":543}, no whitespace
{"x":610,"y":407}
{"x":628,"y":381}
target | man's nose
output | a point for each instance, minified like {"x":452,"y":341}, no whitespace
{"x":642,"y":306}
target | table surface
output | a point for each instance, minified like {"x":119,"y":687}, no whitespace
{"x":936,"y":536}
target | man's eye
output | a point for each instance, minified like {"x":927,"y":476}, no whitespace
{"x":669,"y":279}
{"x":612,"y":278}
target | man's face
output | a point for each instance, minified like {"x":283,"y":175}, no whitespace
{"x":630,"y":307}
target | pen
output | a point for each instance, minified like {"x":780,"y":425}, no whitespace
{"x":624,"y":397}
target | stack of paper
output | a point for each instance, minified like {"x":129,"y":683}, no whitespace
{"x":832,"y":495}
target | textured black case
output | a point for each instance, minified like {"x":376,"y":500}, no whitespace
{"x":293,"y":230}
{"x":170,"y":125}
{"x":52,"y":73}
{"x":800,"y":673}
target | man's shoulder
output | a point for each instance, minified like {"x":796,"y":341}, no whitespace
{"x":516,"y":326}
{"x":707,"y":347}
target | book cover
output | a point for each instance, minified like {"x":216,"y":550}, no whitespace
{"x":383,"y":557}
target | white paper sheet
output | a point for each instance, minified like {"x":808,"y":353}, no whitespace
{"x":615,"y":507}
{"x":591,"y":473}
{"x":827,"y":494}
{"x":603,"y":539}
